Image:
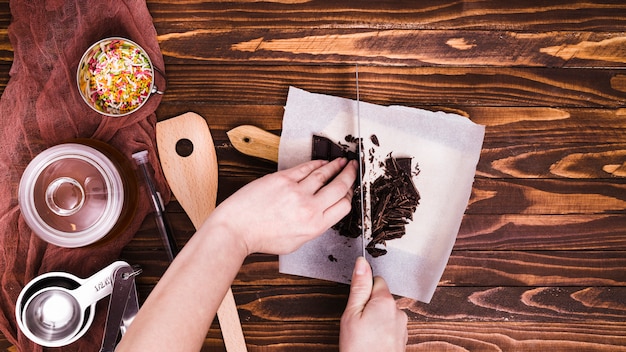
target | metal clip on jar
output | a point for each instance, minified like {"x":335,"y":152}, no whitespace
{"x":75,"y":194}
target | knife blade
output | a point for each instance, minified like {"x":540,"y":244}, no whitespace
{"x":362,"y":170}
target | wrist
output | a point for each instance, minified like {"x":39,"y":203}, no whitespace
{"x":218,"y":234}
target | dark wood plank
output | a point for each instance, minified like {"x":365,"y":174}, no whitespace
{"x":388,"y":47}
{"x":438,"y":335}
{"x":444,"y":336}
{"x":536,"y":15}
{"x":521,"y":304}
{"x":414,"y":87}
{"x":529,"y":268}
{"x":498,"y":232}
{"x":552,"y":160}
{"x":479,"y":336}
{"x":542,"y":232}
{"x":448,"y":33}
{"x":325,"y":302}
{"x":513,"y":304}
{"x":502,"y":232}
{"x":548,"y":196}
{"x":414,"y":47}
{"x":410,"y":86}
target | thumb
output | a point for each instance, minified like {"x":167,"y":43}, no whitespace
{"x":361,"y":287}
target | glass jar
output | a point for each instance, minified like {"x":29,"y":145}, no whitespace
{"x":75,"y":194}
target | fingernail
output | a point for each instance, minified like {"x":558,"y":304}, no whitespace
{"x":360,"y":267}
{"x":343,"y":162}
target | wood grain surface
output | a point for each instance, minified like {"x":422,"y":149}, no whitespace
{"x":540,"y":260}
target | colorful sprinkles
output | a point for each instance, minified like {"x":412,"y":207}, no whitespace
{"x":115,"y":77}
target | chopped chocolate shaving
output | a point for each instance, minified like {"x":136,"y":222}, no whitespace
{"x":375,"y":252}
{"x":394,"y":199}
{"x":350,"y":225}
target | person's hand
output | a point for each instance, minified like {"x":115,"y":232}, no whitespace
{"x":371,"y":321}
{"x":279,"y":212}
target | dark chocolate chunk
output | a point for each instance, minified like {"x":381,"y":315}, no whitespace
{"x":325,"y":149}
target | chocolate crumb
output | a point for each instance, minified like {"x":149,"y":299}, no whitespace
{"x":332,"y":258}
{"x":374,"y":140}
{"x":351,"y":139}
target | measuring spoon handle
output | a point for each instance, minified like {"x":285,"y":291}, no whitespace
{"x":97,"y":286}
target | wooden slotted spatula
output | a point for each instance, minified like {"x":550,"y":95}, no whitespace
{"x":192,"y":177}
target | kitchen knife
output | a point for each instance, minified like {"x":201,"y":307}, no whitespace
{"x":365,"y":199}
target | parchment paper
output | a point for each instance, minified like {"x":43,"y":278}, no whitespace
{"x":444,"y":147}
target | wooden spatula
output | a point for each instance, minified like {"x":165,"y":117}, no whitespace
{"x":192,"y":177}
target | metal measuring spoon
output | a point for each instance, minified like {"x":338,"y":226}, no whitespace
{"x":55,"y":315}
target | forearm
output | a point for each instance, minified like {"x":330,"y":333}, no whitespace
{"x":179,"y":311}
{"x":275,"y":214}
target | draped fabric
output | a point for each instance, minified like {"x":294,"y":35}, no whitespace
{"x":41,"y":107}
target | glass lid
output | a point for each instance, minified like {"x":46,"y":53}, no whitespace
{"x":71,"y":195}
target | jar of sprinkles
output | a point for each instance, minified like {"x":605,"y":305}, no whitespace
{"x":115,"y":76}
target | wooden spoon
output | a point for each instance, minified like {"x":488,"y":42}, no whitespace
{"x":192,"y":176}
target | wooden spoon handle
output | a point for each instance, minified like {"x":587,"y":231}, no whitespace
{"x":254,"y":141}
{"x":192,"y":175}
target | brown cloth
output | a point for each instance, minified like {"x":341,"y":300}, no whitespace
{"x":41,"y":107}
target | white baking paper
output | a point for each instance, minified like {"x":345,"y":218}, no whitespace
{"x":445,"y":147}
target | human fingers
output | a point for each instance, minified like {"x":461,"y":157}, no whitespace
{"x":301,"y":171}
{"x":380,"y":288}
{"x":340,"y":185}
{"x":381,"y":293}
{"x":336,"y":197}
{"x":319,"y":177}
{"x":360,"y":288}
{"x":382,"y":296}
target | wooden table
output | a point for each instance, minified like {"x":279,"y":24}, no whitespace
{"x":540,"y":260}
